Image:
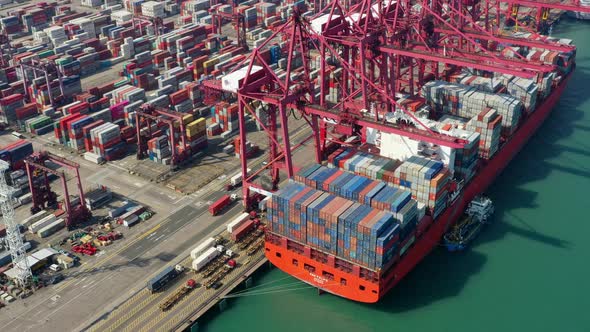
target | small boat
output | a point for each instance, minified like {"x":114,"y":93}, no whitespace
{"x":463,"y":232}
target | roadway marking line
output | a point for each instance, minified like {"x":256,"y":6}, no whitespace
{"x":117,"y":167}
{"x":127,"y":245}
{"x":119,"y":316}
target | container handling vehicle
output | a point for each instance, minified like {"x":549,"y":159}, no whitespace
{"x":220,"y":204}
{"x":179,"y":294}
{"x":164,"y":277}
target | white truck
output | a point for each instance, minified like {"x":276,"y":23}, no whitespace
{"x":236,"y":180}
{"x":205,"y":258}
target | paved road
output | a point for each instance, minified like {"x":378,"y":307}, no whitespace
{"x":122,"y":269}
{"x":178,"y":221}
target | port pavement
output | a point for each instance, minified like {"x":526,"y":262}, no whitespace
{"x":121,"y":269}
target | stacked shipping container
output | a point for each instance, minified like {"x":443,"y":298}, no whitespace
{"x":16,"y":153}
{"x":488,"y":124}
{"x":352,"y":231}
{"x":468,"y":102}
{"x":427,"y":179}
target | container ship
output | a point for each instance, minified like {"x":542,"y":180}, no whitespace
{"x":579,"y":14}
{"x":356,"y":223}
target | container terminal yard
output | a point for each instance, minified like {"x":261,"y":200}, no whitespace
{"x":143,"y":141}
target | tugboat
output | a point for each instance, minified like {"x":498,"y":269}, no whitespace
{"x":476,"y":216}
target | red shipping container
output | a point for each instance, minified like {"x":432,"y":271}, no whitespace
{"x":219,"y":205}
{"x":243,"y":230}
{"x":26,"y":111}
{"x":179,"y":96}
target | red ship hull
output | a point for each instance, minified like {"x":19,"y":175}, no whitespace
{"x":351,"y":284}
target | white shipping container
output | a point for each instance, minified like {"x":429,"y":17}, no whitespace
{"x":34,"y":228}
{"x":263,"y":203}
{"x":51,"y":228}
{"x":234,"y":224}
{"x":233,"y":81}
{"x":130,"y":220}
{"x":236,"y":179}
{"x":34,"y":218}
{"x":205,"y":258}
{"x":201,"y":248}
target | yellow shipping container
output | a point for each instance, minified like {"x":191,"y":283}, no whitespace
{"x":210,"y":63}
{"x":195,"y":133}
{"x":196,"y":128}
{"x":200,"y":123}
{"x":187,"y":119}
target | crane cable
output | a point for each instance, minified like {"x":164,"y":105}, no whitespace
{"x":268,"y":292}
{"x":265,"y":284}
{"x":269,"y":289}
{"x":264,"y":292}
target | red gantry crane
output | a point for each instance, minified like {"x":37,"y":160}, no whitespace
{"x":50,"y":71}
{"x":148,"y":115}
{"x":383,"y":49}
{"x":44,"y":197}
{"x":235,"y":18}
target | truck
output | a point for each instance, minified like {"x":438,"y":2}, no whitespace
{"x":236,"y":180}
{"x":237,"y":222}
{"x":243,"y":229}
{"x":215,"y":281}
{"x":159,"y":281}
{"x":201,"y":248}
{"x":178,"y":295}
{"x":205,"y":258}
{"x":221,"y":203}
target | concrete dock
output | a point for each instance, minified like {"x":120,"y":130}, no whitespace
{"x":142,"y":311}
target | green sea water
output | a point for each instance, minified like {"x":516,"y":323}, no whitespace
{"x":528,"y":271}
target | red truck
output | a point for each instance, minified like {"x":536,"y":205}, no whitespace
{"x":221,"y":204}
{"x":243,"y":229}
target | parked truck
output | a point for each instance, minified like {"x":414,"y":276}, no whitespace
{"x":243,"y":229}
{"x":236,"y":180}
{"x":237,"y":222}
{"x":205,"y":258}
{"x":201,"y":248}
{"x":159,"y":281}
{"x":221,"y":204}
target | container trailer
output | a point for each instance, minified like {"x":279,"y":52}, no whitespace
{"x":221,"y":204}
{"x":205,"y":258}
{"x":168,"y":274}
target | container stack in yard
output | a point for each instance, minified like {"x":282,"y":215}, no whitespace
{"x":15,"y":153}
{"x":97,"y":197}
{"x":251,"y":148}
{"x":79,"y":44}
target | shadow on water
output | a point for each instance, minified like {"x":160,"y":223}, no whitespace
{"x":543,"y":154}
